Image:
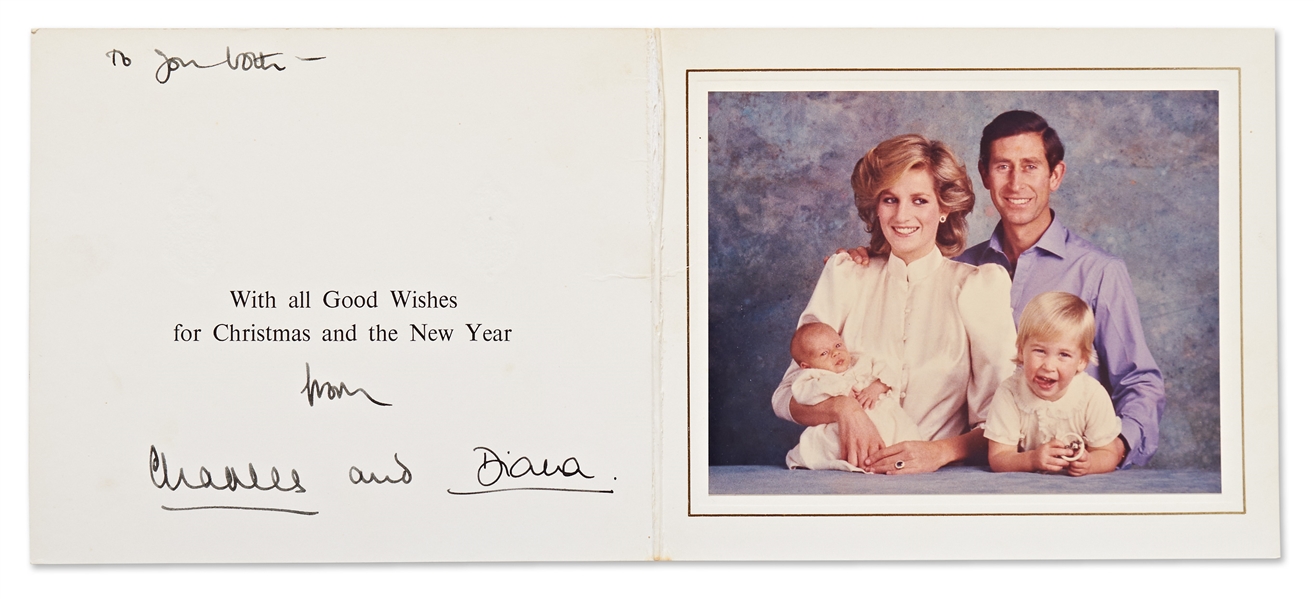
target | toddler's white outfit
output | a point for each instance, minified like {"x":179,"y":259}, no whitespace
{"x":1018,"y":417}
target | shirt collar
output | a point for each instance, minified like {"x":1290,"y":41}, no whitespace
{"x":1054,"y":240}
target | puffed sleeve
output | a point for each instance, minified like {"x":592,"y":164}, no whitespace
{"x":832,"y":302}
{"x":991,"y":336}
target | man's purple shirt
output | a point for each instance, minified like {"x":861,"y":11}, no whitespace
{"x":1062,"y":261}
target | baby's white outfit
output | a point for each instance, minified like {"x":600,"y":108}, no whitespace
{"x":819,"y":446}
{"x":1018,"y":417}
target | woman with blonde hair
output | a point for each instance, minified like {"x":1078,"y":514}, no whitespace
{"x":946,"y":325}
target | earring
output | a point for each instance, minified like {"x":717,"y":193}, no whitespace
{"x":944,"y":217}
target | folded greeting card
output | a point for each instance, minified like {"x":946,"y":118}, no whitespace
{"x":435,"y":295}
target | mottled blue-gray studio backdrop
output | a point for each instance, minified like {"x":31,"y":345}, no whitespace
{"x":1142,"y":182}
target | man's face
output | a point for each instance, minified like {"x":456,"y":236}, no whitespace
{"x":1019,"y":178}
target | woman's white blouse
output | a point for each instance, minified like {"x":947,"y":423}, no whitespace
{"x":948,"y":326}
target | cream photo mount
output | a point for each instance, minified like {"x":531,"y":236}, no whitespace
{"x":1226,"y":82}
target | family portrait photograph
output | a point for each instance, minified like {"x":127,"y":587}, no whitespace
{"x":993,"y":291}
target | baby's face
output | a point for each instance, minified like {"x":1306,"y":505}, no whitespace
{"x":826,"y":350}
{"x":1049,"y":365}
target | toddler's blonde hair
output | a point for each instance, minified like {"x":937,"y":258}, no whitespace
{"x":1054,"y":314}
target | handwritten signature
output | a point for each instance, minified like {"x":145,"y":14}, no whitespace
{"x":493,"y":468}
{"x":232,"y":480}
{"x":314,"y":389}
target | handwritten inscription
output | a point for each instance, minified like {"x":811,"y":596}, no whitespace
{"x":117,"y":57}
{"x":314,"y":389}
{"x":494,"y":468}
{"x":244,"y":61}
{"x":356,"y":476}
{"x":232,"y":481}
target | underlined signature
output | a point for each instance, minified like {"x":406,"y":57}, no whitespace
{"x":493,"y":469}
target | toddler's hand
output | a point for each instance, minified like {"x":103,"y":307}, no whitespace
{"x":1049,"y":457}
{"x":1080,"y":466}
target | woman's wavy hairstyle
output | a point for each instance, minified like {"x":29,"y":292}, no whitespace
{"x":894,"y":157}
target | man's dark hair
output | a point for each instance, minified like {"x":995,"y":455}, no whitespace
{"x":1017,"y":122}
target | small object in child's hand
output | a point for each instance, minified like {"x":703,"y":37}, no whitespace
{"x":899,"y":465}
{"x":1076,"y":444}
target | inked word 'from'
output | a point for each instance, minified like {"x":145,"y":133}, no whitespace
{"x":314,"y":389}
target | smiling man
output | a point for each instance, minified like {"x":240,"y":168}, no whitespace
{"x":1022,"y":164}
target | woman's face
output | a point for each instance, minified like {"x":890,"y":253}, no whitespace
{"x":909,"y":213}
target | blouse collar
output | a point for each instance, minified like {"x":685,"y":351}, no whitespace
{"x":920,"y":268}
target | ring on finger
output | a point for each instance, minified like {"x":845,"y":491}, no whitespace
{"x":899,"y":465}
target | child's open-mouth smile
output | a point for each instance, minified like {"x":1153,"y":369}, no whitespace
{"x":1049,"y":365}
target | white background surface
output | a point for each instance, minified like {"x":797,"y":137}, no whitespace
{"x":1295,"y":61}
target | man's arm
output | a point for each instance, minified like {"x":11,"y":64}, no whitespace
{"x":1126,"y":363}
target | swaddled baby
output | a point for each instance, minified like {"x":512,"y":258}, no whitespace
{"x":831,"y":371}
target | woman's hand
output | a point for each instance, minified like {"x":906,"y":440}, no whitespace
{"x":859,"y":439}
{"x":910,"y":457}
